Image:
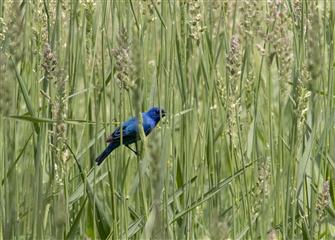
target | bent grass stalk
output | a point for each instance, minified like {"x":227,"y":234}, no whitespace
{"x":245,"y":151}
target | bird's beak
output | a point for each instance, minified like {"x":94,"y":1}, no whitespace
{"x":163,"y":113}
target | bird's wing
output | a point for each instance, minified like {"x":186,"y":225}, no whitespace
{"x":148,"y":124}
{"x":129,"y":131}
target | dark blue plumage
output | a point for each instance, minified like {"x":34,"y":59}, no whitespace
{"x":130,"y":131}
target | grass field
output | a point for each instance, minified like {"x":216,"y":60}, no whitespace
{"x":247,"y":150}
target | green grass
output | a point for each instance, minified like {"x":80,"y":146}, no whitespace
{"x":245,"y":152}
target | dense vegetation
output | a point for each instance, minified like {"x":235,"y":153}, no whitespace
{"x":247,"y":150}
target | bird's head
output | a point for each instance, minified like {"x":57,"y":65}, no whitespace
{"x":156,"y":113}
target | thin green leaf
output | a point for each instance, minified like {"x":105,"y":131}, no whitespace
{"x":103,"y":224}
{"x":211,"y":193}
{"x":25,"y":94}
{"x":72,"y":232}
{"x":16,"y":160}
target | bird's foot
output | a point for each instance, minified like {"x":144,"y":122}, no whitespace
{"x":131,"y":149}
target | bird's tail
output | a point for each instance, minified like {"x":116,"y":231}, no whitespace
{"x":106,"y":152}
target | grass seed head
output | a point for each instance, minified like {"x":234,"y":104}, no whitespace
{"x":49,"y":62}
{"x":195,"y":20}
{"x":123,"y":65}
{"x":313,"y":40}
{"x":250,"y":23}
{"x":323,"y":202}
{"x":281,"y":40}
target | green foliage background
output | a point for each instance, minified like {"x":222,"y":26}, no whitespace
{"x":245,"y":152}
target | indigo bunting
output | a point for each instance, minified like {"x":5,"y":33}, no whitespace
{"x":130,"y":131}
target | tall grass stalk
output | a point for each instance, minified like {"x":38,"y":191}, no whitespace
{"x":245,"y":151}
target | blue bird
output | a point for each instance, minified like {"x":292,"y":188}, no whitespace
{"x":130,"y":132}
